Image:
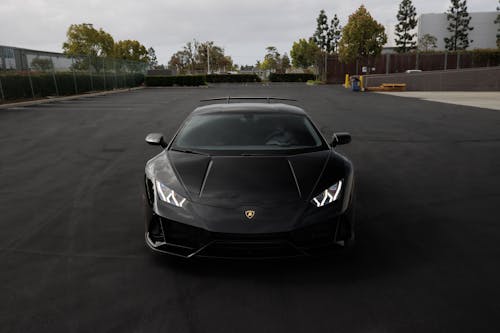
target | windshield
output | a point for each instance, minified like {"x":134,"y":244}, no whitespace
{"x":248,"y":132}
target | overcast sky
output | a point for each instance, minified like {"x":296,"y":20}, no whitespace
{"x":243,"y":28}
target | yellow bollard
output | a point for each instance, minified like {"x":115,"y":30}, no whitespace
{"x":361,"y":83}
{"x":347,"y":83}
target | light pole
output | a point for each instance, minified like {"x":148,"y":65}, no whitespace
{"x":208,"y":59}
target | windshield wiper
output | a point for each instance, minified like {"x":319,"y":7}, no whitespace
{"x":188,"y":151}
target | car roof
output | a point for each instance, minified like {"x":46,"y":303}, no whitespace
{"x":249,"y":107}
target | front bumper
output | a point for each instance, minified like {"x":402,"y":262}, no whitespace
{"x":170,"y":237}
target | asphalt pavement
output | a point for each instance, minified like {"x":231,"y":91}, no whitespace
{"x":73,"y":259}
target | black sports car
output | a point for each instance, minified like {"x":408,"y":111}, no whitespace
{"x":248,"y":180}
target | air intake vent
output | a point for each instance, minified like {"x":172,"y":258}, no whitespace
{"x":150,"y":192}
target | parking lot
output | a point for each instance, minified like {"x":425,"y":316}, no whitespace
{"x":72,"y":255}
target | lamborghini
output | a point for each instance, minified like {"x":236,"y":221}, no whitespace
{"x":248,"y":180}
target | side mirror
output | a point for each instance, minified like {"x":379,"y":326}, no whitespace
{"x":156,"y":139}
{"x":340,"y":138}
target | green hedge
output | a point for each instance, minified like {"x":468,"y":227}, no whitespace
{"x":17,"y":86}
{"x":274,"y":77}
{"x":221,"y":78}
{"x":179,"y":80}
{"x":197,"y":80}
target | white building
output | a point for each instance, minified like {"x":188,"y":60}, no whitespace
{"x":483,"y":36}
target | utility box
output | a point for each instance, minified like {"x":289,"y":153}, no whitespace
{"x":355,"y":84}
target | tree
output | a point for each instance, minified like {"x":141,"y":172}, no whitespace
{"x":208,"y":51}
{"x":153,"y":61}
{"x":190,"y":50}
{"x":184,"y":61}
{"x":361,"y":37}
{"x":179,"y":62}
{"x":86,"y":44}
{"x":458,"y":25}
{"x":194,"y":56}
{"x":334,"y":34}
{"x":131,"y":50}
{"x":427,"y":42}
{"x":84,"y":39}
{"x":133,"y":54}
{"x":284,"y":63}
{"x":90,"y":46}
{"x":304,"y":53}
{"x":497,"y":21}
{"x":321,"y":34}
{"x":407,"y":22}
{"x":271,"y":59}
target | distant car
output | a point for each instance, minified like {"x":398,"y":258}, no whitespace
{"x":409,"y":71}
{"x":248,"y":180}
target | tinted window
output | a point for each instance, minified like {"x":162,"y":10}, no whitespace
{"x":247,"y":131}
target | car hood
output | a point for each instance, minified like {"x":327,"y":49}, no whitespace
{"x":230,"y":180}
{"x":220,"y":190}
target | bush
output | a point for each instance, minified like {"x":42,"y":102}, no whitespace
{"x":304,"y":77}
{"x":220,"y":78}
{"x":197,"y":80}
{"x":179,"y":80}
{"x":314,"y":82}
{"x":17,"y":85}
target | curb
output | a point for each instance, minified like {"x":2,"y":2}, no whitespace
{"x":66,"y":98}
{"x":176,"y":87}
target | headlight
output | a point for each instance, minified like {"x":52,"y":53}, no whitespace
{"x":168,"y":195}
{"x":328,"y":196}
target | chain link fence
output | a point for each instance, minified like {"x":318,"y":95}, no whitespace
{"x":31,"y":74}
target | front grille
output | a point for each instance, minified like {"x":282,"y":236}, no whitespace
{"x":249,"y":250}
{"x":276,"y":236}
{"x":184,"y":235}
{"x":230,"y":245}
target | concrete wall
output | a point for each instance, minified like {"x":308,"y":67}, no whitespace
{"x":483,"y":36}
{"x":474,"y":79}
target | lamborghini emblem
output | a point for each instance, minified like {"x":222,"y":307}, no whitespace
{"x":249,"y":214}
